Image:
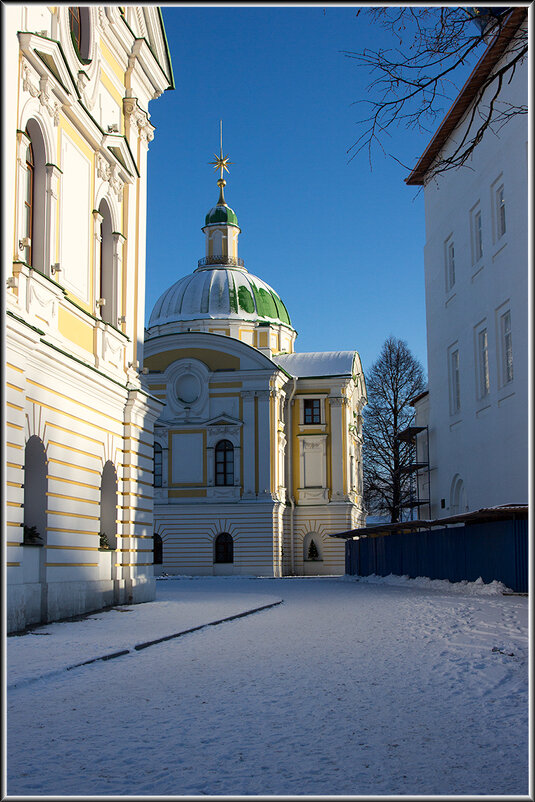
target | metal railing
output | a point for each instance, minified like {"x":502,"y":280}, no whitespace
{"x":221,"y":260}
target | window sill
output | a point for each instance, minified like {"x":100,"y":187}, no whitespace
{"x":478,"y":270}
{"x":500,"y":245}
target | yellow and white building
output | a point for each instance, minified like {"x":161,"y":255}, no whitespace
{"x":257,"y":448}
{"x":77,"y":84}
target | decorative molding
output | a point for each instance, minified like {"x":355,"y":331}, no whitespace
{"x":138,"y":117}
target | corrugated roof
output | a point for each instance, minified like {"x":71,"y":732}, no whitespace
{"x":500,"y":512}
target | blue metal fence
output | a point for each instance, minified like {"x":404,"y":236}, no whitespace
{"x":494,"y":550}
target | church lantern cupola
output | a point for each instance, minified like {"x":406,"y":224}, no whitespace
{"x":221,"y":227}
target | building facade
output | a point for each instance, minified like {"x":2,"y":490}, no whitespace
{"x":79,"y":426}
{"x":257,"y":448}
{"x":476,"y":281}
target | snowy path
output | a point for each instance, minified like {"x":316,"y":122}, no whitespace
{"x":347,"y":687}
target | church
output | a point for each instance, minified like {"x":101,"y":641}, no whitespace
{"x":257,"y":450}
{"x":78,"y":81}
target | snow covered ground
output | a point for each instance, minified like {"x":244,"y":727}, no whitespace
{"x":349,"y":687}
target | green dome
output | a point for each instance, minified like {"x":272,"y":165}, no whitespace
{"x":221,"y":214}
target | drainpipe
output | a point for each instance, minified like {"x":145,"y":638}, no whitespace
{"x":289,"y":474}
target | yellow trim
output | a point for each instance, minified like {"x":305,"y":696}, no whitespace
{"x":71,"y":565}
{"x":14,"y":504}
{"x":72,"y":498}
{"x":14,"y":484}
{"x":273,"y":443}
{"x":78,"y":404}
{"x":74,"y":515}
{"x":158,"y":387}
{"x":74,"y":548}
{"x":14,"y":387}
{"x":112,"y":62}
{"x":14,"y":426}
{"x":138,"y":509}
{"x":14,"y":523}
{"x":69,"y":431}
{"x":75,"y":330}
{"x":15,"y":445}
{"x":12,"y":565}
{"x":71,"y":481}
{"x":110,"y":86}
{"x":130,"y":565}
{"x":18,"y":543}
{"x":13,"y":465}
{"x":71,"y":465}
{"x":70,"y":531}
{"x":76,"y":450}
{"x":224,"y":395}
{"x":14,"y":406}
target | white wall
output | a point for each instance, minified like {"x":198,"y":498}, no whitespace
{"x":485,"y":442}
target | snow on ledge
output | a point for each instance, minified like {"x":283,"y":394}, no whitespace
{"x":477,"y":588}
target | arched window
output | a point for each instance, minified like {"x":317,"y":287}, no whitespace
{"x":157,"y":465}
{"x":108,"y":504}
{"x":34,"y":194}
{"x":224,"y":463}
{"x":224,"y":548}
{"x":79,"y":25}
{"x":28,"y":204}
{"x":158,"y":550}
{"x":35,"y":487}
{"x":458,"y":503}
{"x":106,"y":290}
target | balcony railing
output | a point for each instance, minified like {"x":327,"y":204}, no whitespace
{"x":233,"y":261}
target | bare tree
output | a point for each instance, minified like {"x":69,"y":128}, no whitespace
{"x":413,"y":82}
{"x":395,"y":378}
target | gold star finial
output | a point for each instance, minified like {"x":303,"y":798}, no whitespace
{"x":221,"y":163}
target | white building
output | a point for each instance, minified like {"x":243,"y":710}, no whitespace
{"x":258,"y":448}
{"x":77,"y":82}
{"x":476,"y":280}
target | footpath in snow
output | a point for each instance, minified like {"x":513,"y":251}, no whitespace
{"x":348,"y":687}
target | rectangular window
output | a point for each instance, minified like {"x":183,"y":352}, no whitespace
{"x":455,"y":386}
{"x":312,"y":412}
{"x":500,"y":212}
{"x":483,"y":363}
{"x":507,"y":347}
{"x":450,"y":264}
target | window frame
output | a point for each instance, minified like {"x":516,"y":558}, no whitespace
{"x":477,"y":234}
{"x":224,"y":549}
{"x":499,"y":210}
{"x":482,"y":361}
{"x":29,"y":200}
{"x":312,"y":405}
{"x":157,"y":465}
{"x":506,"y":340}
{"x":224,"y":472}
{"x":449,"y":262}
{"x":454,"y":379}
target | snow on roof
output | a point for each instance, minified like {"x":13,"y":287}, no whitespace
{"x":317,"y":363}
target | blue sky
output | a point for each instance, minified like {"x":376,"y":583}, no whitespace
{"x":341,"y":244}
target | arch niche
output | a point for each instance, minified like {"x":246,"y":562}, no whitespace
{"x":108,"y":504}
